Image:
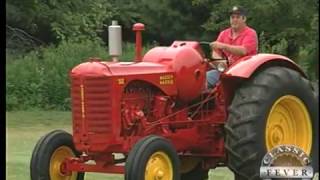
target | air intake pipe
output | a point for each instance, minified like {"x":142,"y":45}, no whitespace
{"x":138,"y":27}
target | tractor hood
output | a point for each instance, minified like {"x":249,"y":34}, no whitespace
{"x":122,"y":73}
{"x":132,"y":68}
{"x":93,"y":68}
{"x":184,"y":82}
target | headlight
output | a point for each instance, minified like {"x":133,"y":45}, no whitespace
{"x":221,"y":67}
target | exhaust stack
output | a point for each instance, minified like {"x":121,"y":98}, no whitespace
{"x":115,"y":41}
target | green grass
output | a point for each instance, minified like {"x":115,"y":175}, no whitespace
{"x":24,"y":128}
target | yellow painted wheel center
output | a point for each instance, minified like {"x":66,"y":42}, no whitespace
{"x":289,"y":123}
{"x":159,"y":167}
{"x":57,"y":158}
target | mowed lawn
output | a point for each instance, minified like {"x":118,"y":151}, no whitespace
{"x":24,"y":128}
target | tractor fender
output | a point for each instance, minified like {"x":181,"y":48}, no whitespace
{"x":243,"y":69}
{"x":246,"y":66}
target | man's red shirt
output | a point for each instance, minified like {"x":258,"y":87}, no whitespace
{"x":247,"y":38}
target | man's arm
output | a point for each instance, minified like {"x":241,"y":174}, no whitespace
{"x":236,"y":50}
{"x":217,"y":53}
{"x":249,"y":44}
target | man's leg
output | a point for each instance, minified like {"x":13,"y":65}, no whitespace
{"x":212,"y":78}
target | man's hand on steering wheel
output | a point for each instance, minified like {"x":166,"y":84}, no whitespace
{"x":217,"y":51}
{"x":217,"y":45}
{"x":212,"y":58}
{"x":209,"y":50}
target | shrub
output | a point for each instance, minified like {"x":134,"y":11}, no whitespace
{"x":40,"y":78}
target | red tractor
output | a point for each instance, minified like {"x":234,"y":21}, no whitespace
{"x":159,"y":114}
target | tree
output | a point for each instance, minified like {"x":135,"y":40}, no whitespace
{"x":55,"y":20}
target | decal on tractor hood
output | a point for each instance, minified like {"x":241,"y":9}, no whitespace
{"x":120,"y":81}
{"x":166,"y":79}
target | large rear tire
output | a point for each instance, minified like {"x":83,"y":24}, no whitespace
{"x":276,"y":106}
{"x":49,"y":153}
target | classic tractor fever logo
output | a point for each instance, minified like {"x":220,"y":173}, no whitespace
{"x":286,"y":161}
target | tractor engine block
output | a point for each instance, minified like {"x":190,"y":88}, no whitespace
{"x":141,"y":105}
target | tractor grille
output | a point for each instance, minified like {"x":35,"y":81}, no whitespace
{"x":91,"y":106}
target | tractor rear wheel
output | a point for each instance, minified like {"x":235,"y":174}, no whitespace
{"x":152,"y":157}
{"x":49,"y":153}
{"x":276,"y":106}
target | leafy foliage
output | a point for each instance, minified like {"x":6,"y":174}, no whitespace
{"x":61,"y":20}
{"x":40,"y":79}
{"x":81,"y":20}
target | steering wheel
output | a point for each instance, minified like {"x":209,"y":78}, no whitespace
{"x":206,"y":48}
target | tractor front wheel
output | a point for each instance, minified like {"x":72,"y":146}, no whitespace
{"x":152,"y":157}
{"x":275,"y":107}
{"x":49,"y":153}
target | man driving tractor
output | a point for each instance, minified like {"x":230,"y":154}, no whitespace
{"x":235,"y":42}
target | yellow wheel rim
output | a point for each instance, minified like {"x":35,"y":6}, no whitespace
{"x":57,"y":158}
{"x":289,"y":123}
{"x":159,"y":167}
